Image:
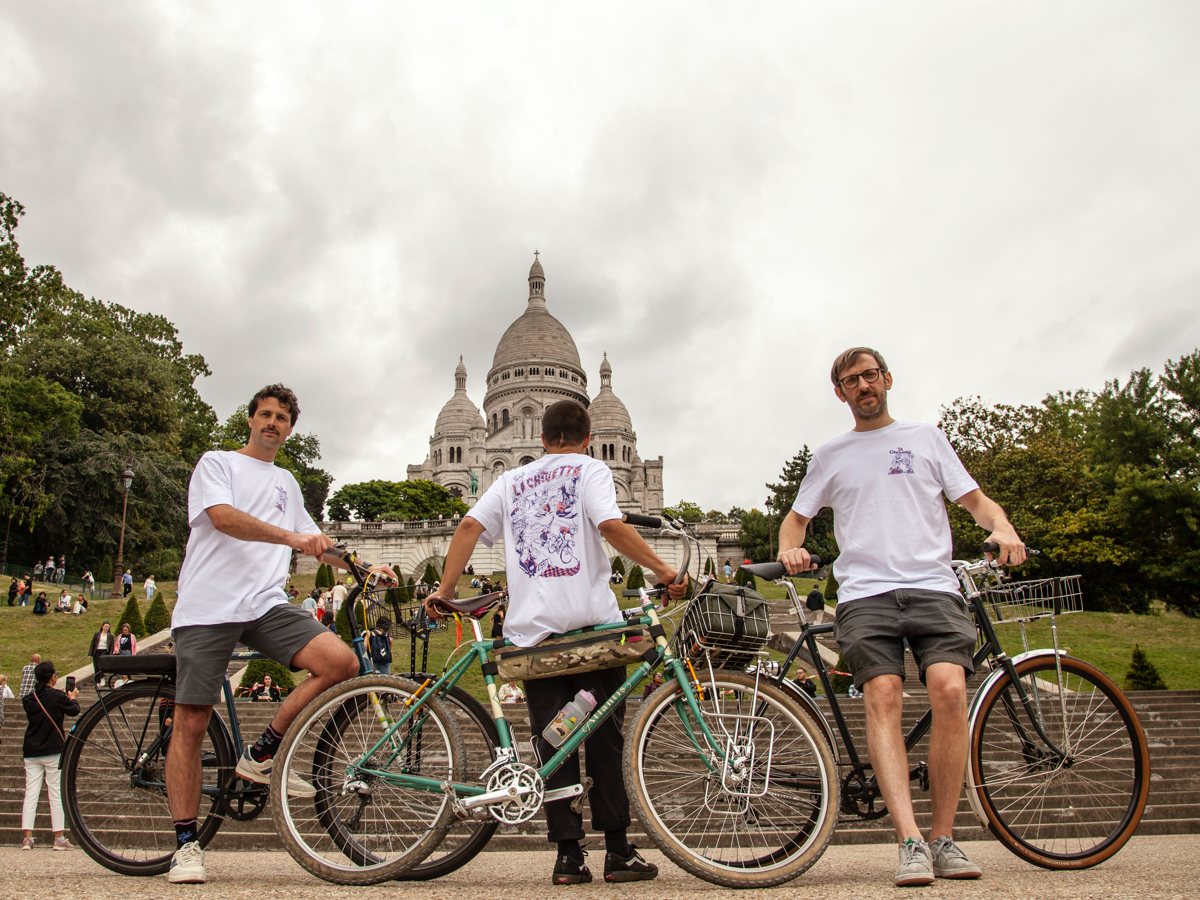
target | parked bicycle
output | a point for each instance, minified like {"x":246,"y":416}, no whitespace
{"x":1059,"y":768}
{"x":730,"y":777}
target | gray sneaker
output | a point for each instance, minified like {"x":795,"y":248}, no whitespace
{"x":950,"y":862}
{"x":916,"y":864}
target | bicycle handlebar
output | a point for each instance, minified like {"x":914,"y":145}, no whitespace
{"x":672,"y":526}
{"x":993,"y":547}
{"x":644,"y":521}
{"x":773,"y":571}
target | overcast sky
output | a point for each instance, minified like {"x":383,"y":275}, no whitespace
{"x":1002,"y":197}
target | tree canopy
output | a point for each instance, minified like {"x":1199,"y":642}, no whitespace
{"x":374,"y":501}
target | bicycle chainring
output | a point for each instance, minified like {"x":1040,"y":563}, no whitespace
{"x":860,"y":791}
{"x":526,"y":793}
{"x":245,"y":800}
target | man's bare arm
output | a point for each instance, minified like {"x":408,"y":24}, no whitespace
{"x":462,"y":545}
{"x":990,"y":516}
{"x":625,"y":539}
{"x":791,"y":543}
{"x":246,"y":527}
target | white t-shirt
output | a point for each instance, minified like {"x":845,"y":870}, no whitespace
{"x":337,"y":596}
{"x":885,"y":488}
{"x":224,"y":579}
{"x":549,"y":513}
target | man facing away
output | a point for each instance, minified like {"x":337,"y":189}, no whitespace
{"x":552,"y":514}
{"x":247,"y":515}
{"x":884,"y":481}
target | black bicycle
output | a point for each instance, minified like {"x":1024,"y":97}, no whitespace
{"x":1059,"y":769}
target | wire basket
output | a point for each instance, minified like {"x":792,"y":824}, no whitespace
{"x":709,"y":628}
{"x":1025,"y":600}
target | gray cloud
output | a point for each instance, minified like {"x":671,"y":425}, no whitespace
{"x":1001,"y":197}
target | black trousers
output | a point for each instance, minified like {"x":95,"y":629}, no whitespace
{"x":605,"y":745}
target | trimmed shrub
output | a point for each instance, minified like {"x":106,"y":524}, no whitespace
{"x":104,"y":574}
{"x":831,"y":588}
{"x":341,"y":621}
{"x":411,"y":589}
{"x":430,"y":575}
{"x":1142,"y":676}
{"x":157,"y":616}
{"x":841,"y":683}
{"x":132,"y":616}
{"x":618,"y":565}
{"x":324,"y":576}
{"x":281,"y":675}
{"x":746,"y":579}
{"x":636,"y":579}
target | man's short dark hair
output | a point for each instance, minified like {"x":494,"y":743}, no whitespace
{"x":43,"y":672}
{"x":847,"y":359}
{"x":566,"y":424}
{"x":283,"y":394}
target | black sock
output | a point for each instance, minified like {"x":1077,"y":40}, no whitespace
{"x":616,"y":843}
{"x":266,"y":745}
{"x":571,"y":849}
{"x":185,"y":832}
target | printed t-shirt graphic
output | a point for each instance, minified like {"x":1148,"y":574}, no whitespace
{"x":544,"y":513}
{"x":548,"y":514}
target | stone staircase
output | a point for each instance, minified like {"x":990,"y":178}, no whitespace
{"x":1171,"y":720}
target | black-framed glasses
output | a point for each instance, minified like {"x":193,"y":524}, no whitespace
{"x":850,"y":382}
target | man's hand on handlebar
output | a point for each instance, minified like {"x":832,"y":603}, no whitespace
{"x":674,"y":591}
{"x":310,"y":544}
{"x":796,"y":561}
{"x":388,"y":573}
{"x":1012,"y":548}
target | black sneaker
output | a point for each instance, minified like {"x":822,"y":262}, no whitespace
{"x":632,"y":869}
{"x":569,"y":870}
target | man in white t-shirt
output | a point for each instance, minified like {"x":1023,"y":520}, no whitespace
{"x":247,"y":516}
{"x":885,"y":482}
{"x":337,"y":596}
{"x":552,"y":515}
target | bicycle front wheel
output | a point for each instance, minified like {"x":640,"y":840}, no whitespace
{"x":365,"y":824}
{"x":1060,"y":811}
{"x":114,"y":779}
{"x":755,"y":814}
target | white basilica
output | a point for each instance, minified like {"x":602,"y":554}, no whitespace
{"x":536,"y":363}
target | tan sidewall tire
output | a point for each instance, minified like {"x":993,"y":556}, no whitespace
{"x":677,"y":852}
{"x":420,"y":849}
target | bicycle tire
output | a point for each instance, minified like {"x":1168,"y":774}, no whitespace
{"x":745,"y":841}
{"x":465,"y":839}
{"x":326,"y":834}
{"x":1069,"y":828}
{"x":125,"y":828}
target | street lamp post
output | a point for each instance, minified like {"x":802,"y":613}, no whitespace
{"x":126,"y":482}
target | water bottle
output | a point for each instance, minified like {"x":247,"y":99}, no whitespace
{"x":569,"y":718}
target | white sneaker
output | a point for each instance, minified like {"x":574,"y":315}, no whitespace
{"x":187,"y":865}
{"x":260,"y":773}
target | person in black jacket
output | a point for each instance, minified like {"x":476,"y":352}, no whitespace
{"x":102,"y":645}
{"x":45,"y":708}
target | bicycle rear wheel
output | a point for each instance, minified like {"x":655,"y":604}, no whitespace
{"x":1060,"y":814}
{"x":756,"y":815}
{"x":114,"y":788}
{"x":364,"y":827}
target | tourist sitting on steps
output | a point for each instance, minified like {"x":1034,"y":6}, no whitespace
{"x":553,"y":588}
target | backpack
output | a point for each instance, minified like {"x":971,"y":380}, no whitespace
{"x":381,"y":648}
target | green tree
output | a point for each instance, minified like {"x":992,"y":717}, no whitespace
{"x":1142,"y":675}
{"x":831,"y":588}
{"x":324,"y":577}
{"x":132,"y":616}
{"x":280,"y":675}
{"x":618,"y":564}
{"x":636,"y":579}
{"x":745,"y":579}
{"x":374,"y":501}
{"x":685,"y":511}
{"x":104,"y":573}
{"x":411,"y":589}
{"x":157,"y":616}
{"x":430,"y":575}
{"x":341,"y":621}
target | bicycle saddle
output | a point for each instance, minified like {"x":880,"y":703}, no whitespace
{"x":474,"y":606}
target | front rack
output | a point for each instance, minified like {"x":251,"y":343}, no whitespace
{"x":1024,"y":601}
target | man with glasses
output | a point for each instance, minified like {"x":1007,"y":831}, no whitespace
{"x":885,"y":482}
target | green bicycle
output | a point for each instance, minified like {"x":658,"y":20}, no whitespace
{"x":728,"y":774}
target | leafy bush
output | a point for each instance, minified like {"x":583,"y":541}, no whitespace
{"x":636,"y":579}
{"x":281,"y":675}
{"x":411,"y":589}
{"x":157,"y":616}
{"x":165,"y":563}
{"x":746,"y":579}
{"x":1142,"y":676}
{"x":430,"y":575}
{"x":324,"y":576}
{"x":132,"y":616}
{"x":831,"y":587}
{"x":841,"y":683}
{"x":618,"y":565}
{"x":104,"y":575}
{"x":341,"y":621}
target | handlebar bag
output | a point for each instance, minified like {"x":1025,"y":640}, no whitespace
{"x":587,"y":650}
{"x":728,"y":620}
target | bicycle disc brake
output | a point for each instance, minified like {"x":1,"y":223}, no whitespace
{"x":247,"y":801}
{"x":525,"y":789}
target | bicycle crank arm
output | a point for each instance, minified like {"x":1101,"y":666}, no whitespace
{"x":574,"y":790}
{"x":491,"y":797}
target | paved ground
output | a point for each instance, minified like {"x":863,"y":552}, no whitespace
{"x":1149,"y":867}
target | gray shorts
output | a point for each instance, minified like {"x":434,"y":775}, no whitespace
{"x":202,"y":651}
{"x":871,"y":632}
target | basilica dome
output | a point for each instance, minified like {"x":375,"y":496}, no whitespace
{"x":459,"y":415}
{"x":536,"y":337}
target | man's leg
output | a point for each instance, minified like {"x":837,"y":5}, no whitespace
{"x":884,"y":700}
{"x":329,"y":661}
{"x":183,"y":761}
{"x":947,"y":685}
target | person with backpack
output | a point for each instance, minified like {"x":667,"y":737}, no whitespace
{"x":45,"y":707}
{"x":379,"y":646}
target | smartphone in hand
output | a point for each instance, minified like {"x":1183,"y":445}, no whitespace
{"x":70,"y":683}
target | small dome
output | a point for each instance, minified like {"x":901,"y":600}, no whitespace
{"x":607,"y":411}
{"x":535,"y":271}
{"x":536,"y":337}
{"x":459,"y":415}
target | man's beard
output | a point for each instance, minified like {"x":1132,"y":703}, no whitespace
{"x":869,"y":414}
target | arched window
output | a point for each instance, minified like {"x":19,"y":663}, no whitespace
{"x":549,"y":371}
{"x":494,"y":426}
{"x":612,"y":451}
{"x":503,"y":418}
{"x":604,"y":451}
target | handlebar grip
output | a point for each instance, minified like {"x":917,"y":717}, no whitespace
{"x":773,"y":570}
{"x":644,"y":521}
{"x":993,"y":547}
